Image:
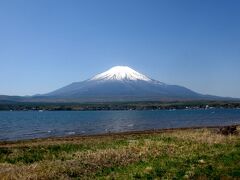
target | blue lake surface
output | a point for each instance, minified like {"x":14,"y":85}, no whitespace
{"x":18,"y":125}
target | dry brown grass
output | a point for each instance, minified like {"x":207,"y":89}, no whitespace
{"x":91,"y":160}
{"x":209,"y":136}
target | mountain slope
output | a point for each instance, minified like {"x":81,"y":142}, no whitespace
{"x":123,"y":83}
{"x":119,"y":83}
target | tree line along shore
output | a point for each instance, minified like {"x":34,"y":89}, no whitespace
{"x":21,"y":106}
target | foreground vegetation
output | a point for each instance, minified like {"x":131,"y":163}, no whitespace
{"x":172,"y":154}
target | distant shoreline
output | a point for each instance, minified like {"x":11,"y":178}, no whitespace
{"x":148,"y":105}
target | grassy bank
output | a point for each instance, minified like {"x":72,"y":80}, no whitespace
{"x":179,"y":154}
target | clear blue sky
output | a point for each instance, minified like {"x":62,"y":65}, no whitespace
{"x":46,"y":44}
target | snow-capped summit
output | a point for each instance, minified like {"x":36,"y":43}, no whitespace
{"x":121,"y":83}
{"x":121,"y":73}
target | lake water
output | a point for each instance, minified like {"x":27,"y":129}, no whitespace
{"x":18,"y":125}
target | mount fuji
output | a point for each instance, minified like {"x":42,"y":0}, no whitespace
{"x":121,"y":83}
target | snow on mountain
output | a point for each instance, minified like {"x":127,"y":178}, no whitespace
{"x":121,"y":83}
{"x":121,"y":73}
